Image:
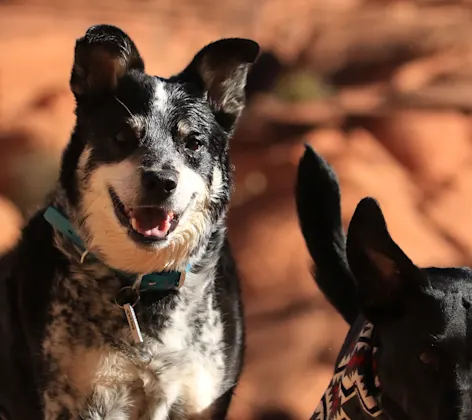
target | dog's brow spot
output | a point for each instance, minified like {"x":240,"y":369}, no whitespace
{"x":183,"y":128}
{"x":137,"y":124}
{"x":160,"y":97}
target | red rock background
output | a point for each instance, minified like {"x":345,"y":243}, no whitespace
{"x":382,"y":88}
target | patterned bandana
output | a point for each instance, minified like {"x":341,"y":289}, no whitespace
{"x":354,"y":389}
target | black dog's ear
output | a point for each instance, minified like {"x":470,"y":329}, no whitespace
{"x":318,"y":201}
{"x":220,"y":69}
{"x":103,"y":55}
{"x":386,"y":277}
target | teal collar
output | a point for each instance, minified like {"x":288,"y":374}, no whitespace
{"x":162,"y":281}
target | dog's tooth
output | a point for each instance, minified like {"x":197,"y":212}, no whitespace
{"x":133,"y":223}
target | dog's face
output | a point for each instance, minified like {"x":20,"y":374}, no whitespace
{"x":422,"y":319}
{"x":147,"y":171}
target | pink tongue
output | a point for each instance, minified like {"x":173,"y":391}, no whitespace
{"x":151,"y":221}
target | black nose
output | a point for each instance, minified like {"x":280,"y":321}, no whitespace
{"x":161,"y":183}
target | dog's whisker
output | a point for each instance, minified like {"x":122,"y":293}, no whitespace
{"x":124,"y":106}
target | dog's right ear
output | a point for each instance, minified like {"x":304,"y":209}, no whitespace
{"x":102,"y":56}
{"x":386,"y":277}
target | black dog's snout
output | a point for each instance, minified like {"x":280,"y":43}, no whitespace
{"x":162,"y":183}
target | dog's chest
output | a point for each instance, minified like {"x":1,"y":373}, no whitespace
{"x":179,"y":369}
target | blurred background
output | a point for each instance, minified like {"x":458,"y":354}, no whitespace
{"x":383,"y":89}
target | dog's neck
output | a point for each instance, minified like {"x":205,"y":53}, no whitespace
{"x":201,"y":263}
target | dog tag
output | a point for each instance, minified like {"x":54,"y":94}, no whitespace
{"x":133,"y":323}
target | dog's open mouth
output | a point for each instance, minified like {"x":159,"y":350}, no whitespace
{"x":145,"y":223}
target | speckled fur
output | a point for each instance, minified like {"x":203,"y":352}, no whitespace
{"x":99,"y":373}
{"x":78,"y":357}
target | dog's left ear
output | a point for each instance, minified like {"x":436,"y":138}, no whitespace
{"x":387,"y":279}
{"x":102,"y":56}
{"x":220,"y":69}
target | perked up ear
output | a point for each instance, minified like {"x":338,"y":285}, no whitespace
{"x":102,"y":56}
{"x":386,"y":277}
{"x":220,"y":69}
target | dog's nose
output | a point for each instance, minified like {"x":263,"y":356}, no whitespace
{"x":162,"y":183}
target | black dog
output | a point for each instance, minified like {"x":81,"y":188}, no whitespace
{"x":124,"y":285}
{"x":409,"y":352}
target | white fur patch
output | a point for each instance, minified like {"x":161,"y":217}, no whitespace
{"x":196,"y":379}
{"x":217,"y":186}
{"x":161,"y":97}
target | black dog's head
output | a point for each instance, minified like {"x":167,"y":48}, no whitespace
{"x":422,"y":319}
{"x":146,"y":172}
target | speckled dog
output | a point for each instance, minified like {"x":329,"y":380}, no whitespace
{"x":124,"y":283}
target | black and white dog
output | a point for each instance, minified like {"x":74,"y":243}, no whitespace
{"x":408,"y":354}
{"x":124,"y":295}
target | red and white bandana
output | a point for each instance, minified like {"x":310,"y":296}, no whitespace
{"x":354,"y":389}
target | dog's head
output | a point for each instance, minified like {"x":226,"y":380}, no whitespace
{"x":146,"y":172}
{"x":422,"y":319}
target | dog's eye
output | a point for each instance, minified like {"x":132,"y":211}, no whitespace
{"x":121,"y":137}
{"x":126,"y":135}
{"x":192,"y":143}
{"x":430,"y":358}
